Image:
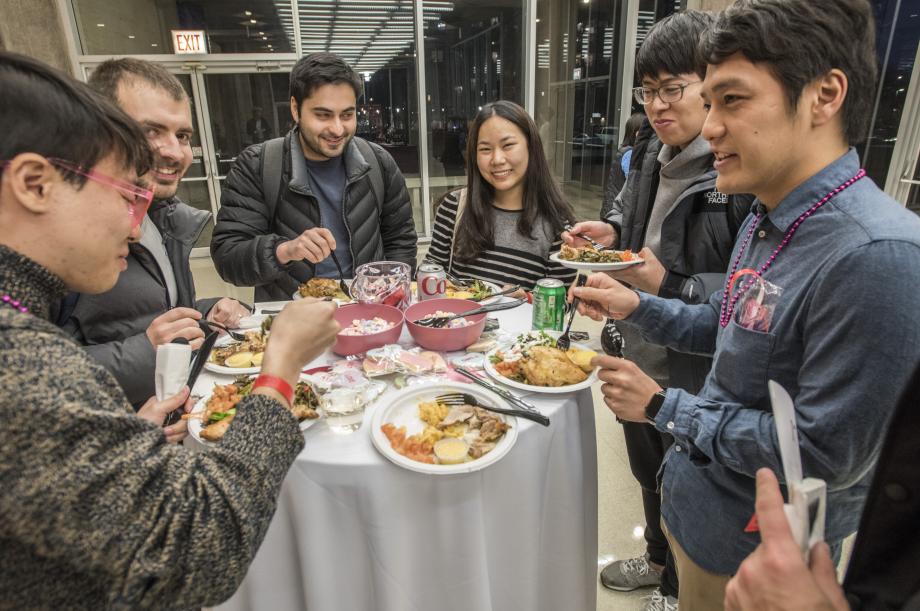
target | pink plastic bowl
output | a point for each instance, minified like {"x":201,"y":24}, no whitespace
{"x":444,"y":340}
{"x":346,"y":345}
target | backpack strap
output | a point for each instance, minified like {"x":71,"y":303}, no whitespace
{"x":376,"y":173}
{"x":272,"y":159}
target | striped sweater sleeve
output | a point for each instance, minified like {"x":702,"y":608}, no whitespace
{"x":442,"y":232}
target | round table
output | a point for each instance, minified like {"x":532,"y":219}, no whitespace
{"x":355,"y":532}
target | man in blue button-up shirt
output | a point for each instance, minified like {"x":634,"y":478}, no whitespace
{"x":839,"y":330}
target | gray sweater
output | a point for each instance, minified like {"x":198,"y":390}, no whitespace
{"x":97,"y":510}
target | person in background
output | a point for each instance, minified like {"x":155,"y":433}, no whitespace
{"x":153,"y":301}
{"x":808,"y":300}
{"x":98,"y":511}
{"x":883,"y":572}
{"x":673,"y":214}
{"x":619,"y":165}
{"x":257,"y":127}
{"x":290,"y":203}
{"x":503,"y":226}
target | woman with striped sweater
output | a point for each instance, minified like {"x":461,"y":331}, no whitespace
{"x":503,"y":226}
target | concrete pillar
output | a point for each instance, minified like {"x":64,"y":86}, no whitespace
{"x":34,"y":28}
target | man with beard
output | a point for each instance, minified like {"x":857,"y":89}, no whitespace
{"x":153,"y":302}
{"x":290,"y":203}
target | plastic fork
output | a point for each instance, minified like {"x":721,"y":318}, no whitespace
{"x":438,"y":322}
{"x":338,"y":268}
{"x":454,"y":399}
{"x":240,"y":337}
{"x":596,"y":245}
{"x":564,"y":341}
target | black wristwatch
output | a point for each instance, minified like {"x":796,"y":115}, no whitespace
{"x":654,"y":405}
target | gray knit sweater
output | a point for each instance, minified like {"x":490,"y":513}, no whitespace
{"x":97,"y":511}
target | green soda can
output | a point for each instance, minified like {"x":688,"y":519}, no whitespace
{"x":548,"y":304}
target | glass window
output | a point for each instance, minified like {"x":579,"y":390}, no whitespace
{"x":193,"y":189}
{"x":134,"y":27}
{"x":245,"y":109}
{"x":897,"y":31}
{"x":377,"y":38}
{"x":472,"y":57}
{"x":578,"y":48}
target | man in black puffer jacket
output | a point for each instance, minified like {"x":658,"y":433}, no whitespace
{"x":341,"y":201}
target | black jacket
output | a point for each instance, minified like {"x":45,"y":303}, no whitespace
{"x":697,"y":238}
{"x":884,"y":569}
{"x":246,"y":234}
{"x":112,"y":325}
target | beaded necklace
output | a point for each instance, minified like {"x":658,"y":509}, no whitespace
{"x":728,"y":305}
{"x":14,"y":303}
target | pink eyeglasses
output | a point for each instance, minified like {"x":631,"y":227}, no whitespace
{"x":138,"y":198}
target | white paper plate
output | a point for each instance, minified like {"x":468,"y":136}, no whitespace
{"x":595,"y":267}
{"x":195,"y":426}
{"x":401,"y":409}
{"x":491,"y":285}
{"x":553,"y":390}
{"x":223,"y":369}
{"x":348,"y":281}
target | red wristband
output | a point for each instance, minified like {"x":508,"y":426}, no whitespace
{"x":275,"y":383}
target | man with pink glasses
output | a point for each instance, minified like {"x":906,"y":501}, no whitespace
{"x":154,"y":300}
{"x":97,"y":510}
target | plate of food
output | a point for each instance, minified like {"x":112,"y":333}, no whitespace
{"x":214,"y":413}
{"x":589,"y":258}
{"x":322,"y":287}
{"x":413,"y":430}
{"x":231,"y":357}
{"x":533,"y":363}
{"x":478,"y":289}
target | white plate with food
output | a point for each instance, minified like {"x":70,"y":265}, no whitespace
{"x":230,"y":357}
{"x":415,"y":432}
{"x":588,"y":258}
{"x":478,"y":288}
{"x":213,"y":414}
{"x":533,"y":363}
{"x":321,"y":288}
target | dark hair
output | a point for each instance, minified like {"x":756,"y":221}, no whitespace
{"x":631,"y":128}
{"x":801,"y":40}
{"x":46,"y":112}
{"x":542,"y":197}
{"x":671,"y":45}
{"x":111,"y":73}
{"x":318,"y":69}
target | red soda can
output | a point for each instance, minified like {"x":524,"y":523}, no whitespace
{"x":431,"y":281}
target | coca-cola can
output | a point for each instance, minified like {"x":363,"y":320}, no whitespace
{"x":431,"y":281}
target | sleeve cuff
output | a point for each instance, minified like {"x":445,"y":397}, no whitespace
{"x":675,"y":417}
{"x":672,"y":285}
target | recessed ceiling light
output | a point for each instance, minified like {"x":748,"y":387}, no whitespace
{"x":153,"y":44}
{"x":261,"y":33}
{"x":100,"y":25}
{"x":131,"y":36}
{"x":247,"y":13}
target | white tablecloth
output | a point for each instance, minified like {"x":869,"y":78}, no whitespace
{"x":355,"y":532}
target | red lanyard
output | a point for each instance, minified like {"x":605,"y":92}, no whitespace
{"x":728,"y":305}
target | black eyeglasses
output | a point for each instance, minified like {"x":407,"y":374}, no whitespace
{"x":667,"y":94}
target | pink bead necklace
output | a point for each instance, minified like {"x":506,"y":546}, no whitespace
{"x":14,"y":303}
{"x":728,"y":305}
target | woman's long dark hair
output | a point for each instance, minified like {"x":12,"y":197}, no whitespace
{"x":542,"y":196}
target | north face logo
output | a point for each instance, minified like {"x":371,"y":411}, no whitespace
{"x":714,"y":197}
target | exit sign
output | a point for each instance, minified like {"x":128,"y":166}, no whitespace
{"x":188,"y":41}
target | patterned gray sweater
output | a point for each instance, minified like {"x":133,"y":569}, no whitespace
{"x":96,"y":510}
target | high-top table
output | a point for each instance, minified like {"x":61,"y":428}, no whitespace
{"x":355,"y":532}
